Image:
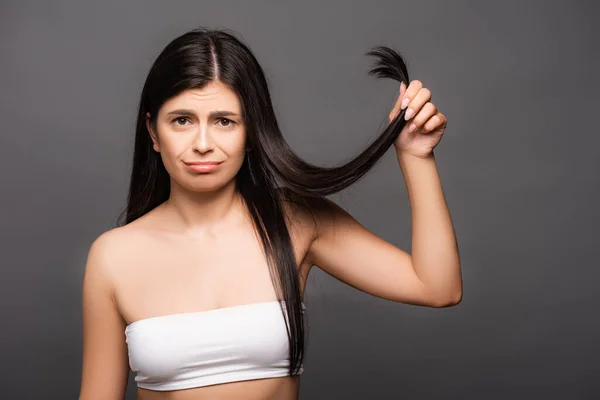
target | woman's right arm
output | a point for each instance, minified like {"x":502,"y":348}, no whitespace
{"x":105,"y":366}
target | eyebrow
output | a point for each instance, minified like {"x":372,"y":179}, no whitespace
{"x":213,"y":114}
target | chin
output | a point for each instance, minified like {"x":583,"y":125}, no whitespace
{"x":206,"y":183}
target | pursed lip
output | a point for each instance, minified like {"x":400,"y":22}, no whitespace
{"x":203,"y":162}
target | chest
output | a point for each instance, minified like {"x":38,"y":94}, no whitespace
{"x":166,"y":275}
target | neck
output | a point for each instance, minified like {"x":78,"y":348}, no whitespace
{"x":202,"y":212}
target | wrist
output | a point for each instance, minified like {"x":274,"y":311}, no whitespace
{"x":403,"y":155}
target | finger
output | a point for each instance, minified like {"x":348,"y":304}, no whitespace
{"x":402,"y":90}
{"x":425,"y":113}
{"x":411,"y":91}
{"x":415,"y":104}
{"x":435,"y":122}
{"x":396,"y":109}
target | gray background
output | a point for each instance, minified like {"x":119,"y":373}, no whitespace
{"x":519,"y":164}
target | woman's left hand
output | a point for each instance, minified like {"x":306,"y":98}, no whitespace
{"x":425,"y":124}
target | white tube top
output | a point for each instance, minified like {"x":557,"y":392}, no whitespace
{"x":192,"y":349}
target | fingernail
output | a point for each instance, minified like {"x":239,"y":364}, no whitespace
{"x":404,"y":103}
{"x":409,"y":113}
{"x":412,"y":127}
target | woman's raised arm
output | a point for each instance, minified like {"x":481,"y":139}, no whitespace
{"x":431,"y":275}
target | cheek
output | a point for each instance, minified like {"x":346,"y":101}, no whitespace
{"x":170,"y":153}
{"x":236,"y":151}
{"x":236,"y":154}
{"x":235,"y":145}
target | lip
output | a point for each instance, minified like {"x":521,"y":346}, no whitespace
{"x":203,"y":166}
{"x":204,"y":162}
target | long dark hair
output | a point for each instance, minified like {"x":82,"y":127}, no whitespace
{"x":272,"y":173}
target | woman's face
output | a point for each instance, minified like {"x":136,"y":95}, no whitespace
{"x":201,"y":125}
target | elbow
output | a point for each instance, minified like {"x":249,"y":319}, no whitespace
{"x":448,"y":301}
{"x":455,"y":299}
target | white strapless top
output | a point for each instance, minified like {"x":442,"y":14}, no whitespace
{"x":192,"y":349}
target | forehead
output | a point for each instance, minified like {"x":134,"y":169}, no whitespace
{"x":212,"y":96}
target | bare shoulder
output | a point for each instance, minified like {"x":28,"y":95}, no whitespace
{"x":112,"y":250}
{"x":105,"y":361}
{"x":111,"y":240}
{"x":299,"y":212}
{"x":111,"y":245}
{"x":309,"y":218}
{"x":311,"y":212}
{"x":100,"y":253}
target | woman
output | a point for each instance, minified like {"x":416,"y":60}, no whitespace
{"x":200,"y":290}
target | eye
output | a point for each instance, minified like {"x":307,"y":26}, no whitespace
{"x":229,"y":122}
{"x":180,"y":119}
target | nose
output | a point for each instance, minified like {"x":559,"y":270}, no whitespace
{"x":203,"y":142}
